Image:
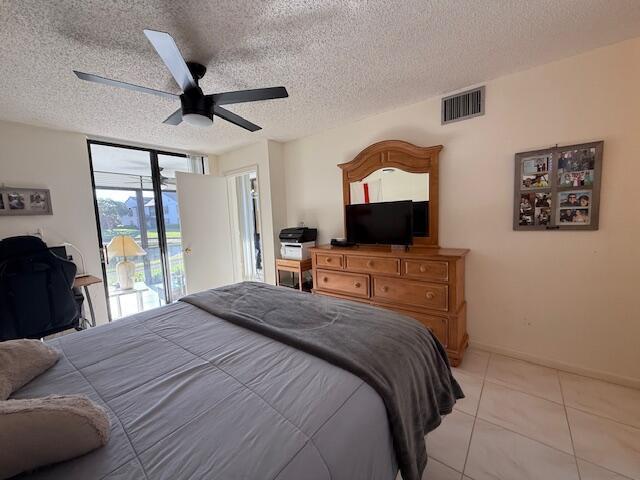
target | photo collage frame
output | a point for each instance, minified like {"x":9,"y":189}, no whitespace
{"x":25,"y":201}
{"x":558,"y":188}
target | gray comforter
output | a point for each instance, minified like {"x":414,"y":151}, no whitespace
{"x":194,"y":397}
{"x":191,"y":396}
{"x":395,"y":355}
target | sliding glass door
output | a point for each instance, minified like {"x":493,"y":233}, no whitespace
{"x":139,"y":225}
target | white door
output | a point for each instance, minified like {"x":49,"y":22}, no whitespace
{"x":206,"y":231}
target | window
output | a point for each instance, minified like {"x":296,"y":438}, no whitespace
{"x":135,"y":195}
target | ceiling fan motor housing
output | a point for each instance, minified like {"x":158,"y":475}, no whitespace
{"x":195,"y":102}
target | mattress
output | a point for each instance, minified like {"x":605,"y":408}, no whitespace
{"x":191,"y":396}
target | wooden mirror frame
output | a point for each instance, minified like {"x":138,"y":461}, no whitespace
{"x":402,"y":155}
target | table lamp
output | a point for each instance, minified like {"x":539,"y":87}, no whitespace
{"x":124,"y":246}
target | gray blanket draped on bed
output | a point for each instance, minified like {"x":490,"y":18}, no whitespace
{"x":395,"y":355}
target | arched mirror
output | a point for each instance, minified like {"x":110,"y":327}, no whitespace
{"x":394,"y":171}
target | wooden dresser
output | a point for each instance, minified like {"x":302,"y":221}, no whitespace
{"x":424,"y":283}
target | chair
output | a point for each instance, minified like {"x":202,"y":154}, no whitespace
{"x":36,"y":290}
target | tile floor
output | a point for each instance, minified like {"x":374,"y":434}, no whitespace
{"x":524,"y":421}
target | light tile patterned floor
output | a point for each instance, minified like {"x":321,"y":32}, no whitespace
{"x":524,"y":421}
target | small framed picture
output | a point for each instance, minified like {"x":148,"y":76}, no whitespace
{"x":558,"y":188}
{"x":25,"y":201}
{"x":576,"y":167}
{"x":534,"y":172}
{"x":536,"y":164}
{"x":575,"y":198}
{"x":527,"y":209}
{"x":574,"y":216}
{"x":543,"y":216}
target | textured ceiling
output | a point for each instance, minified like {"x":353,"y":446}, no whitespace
{"x":340,"y":60}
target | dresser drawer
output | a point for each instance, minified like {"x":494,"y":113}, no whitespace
{"x":439,"y":326}
{"x":426,"y":269}
{"x":329,"y":260}
{"x":411,"y":292}
{"x":342,"y":282}
{"x":373,"y":264}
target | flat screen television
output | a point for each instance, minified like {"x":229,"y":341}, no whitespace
{"x":386,"y":223}
{"x":421,"y":219}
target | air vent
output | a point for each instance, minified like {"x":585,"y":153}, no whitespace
{"x":463,"y":105}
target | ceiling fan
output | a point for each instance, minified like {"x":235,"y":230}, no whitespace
{"x":197,"y":108}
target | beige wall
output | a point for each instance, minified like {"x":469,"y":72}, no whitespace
{"x":567,"y":298}
{"x":278,"y":192}
{"x":39,"y":157}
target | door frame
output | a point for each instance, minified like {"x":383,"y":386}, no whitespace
{"x":158,"y":207}
{"x":232,"y":174}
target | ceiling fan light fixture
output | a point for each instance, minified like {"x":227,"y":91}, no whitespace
{"x":196,"y":108}
{"x":197,"y":119}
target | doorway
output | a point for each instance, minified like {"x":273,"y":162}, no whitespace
{"x":246,"y":228}
{"x":139,"y":232}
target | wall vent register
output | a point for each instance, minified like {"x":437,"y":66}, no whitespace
{"x":463,"y":105}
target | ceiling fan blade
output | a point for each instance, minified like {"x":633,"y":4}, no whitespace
{"x":166,"y":47}
{"x":235,"y":119}
{"x":115,"y":83}
{"x":255,"y":95}
{"x":175,"y":118}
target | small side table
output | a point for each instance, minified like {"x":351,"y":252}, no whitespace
{"x":138,"y":288}
{"x":295,"y":267}
{"x":83,"y":281}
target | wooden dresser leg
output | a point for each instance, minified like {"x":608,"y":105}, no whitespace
{"x":456,"y":356}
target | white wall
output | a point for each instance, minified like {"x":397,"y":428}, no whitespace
{"x":267,"y":157}
{"x":568,"y":298}
{"x":278,"y":191}
{"x":39,"y":157}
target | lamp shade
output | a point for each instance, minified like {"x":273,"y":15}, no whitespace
{"x":124,"y":246}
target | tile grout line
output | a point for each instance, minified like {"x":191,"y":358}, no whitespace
{"x":602,"y":417}
{"x":510,"y":387}
{"x":509,"y":429}
{"x":568,"y":372}
{"x":520,"y":434}
{"x":475,"y":417}
{"x":623,"y":477}
{"x":485,"y":380}
{"x":563,"y":403}
{"x":566,"y":417}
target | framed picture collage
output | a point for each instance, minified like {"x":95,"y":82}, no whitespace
{"x":25,"y":201}
{"x":558,"y":188}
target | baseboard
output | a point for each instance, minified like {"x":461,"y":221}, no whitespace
{"x":586,"y":372}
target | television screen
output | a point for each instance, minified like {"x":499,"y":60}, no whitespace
{"x":421,"y":219}
{"x":389,"y":223}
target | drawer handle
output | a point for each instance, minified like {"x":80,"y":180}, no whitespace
{"x":430,"y":295}
{"x":329,"y":260}
{"x":370,"y":263}
{"x":423,"y":268}
{"x":325,"y":279}
{"x":357,"y":284}
{"x":385,"y":288}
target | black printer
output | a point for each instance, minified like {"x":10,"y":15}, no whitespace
{"x":298,"y":235}
{"x":296,"y":242}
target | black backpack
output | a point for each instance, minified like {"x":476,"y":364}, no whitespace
{"x":36,"y":297}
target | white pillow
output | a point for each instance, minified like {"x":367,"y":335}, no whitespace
{"x":21,"y":361}
{"x":41,"y":431}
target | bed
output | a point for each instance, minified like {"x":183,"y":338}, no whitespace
{"x":191,"y":395}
